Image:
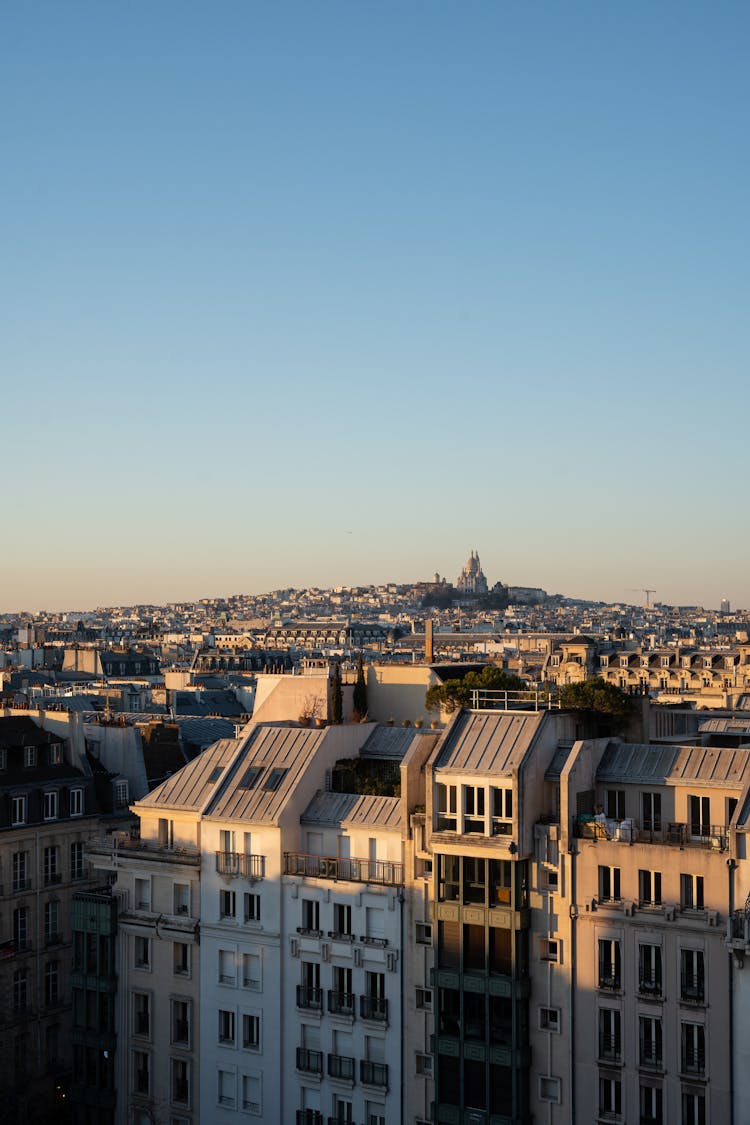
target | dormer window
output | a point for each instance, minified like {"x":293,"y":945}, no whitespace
{"x":708,"y":662}
{"x":29,"y":757}
{"x":55,"y":754}
{"x":665,"y":661}
{"x":624,"y":661}
{"x":50,"y":805}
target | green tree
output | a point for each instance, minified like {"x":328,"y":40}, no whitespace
{"x":454,"y":694}
{"x":359,"y":699}
{"x":336,"y":697}
{"x":607,"y":706}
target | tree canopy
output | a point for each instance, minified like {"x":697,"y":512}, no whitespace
{"x":597,"y":696}
{"x":359,"y":698}
{"x":453,"y":694}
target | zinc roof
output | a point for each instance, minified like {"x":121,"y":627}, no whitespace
{"x":353,"y":810}
{"x":704,"y":766}
{"x":389,"y":742}
{"x":488,"y":742}
{"x":267,"y":748}
{"x":190,"y":788}
{"x":725,"y":726}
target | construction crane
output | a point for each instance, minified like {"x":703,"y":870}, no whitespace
{"x":643,"y":590}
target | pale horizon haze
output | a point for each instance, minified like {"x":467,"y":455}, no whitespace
{"x":330,"y":294}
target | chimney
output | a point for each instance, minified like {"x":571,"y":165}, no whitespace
{"x":429,"y":648}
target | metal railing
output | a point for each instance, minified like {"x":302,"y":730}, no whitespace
{"x":609,"y":975}
{"x":692,"y":987}
{"x":630,"y":831}
{"x":373,"y":1008}
{"x":311,"y":1062}
{"x":341,"y":1066}
{"x":341,"y":1003}
{"x":309,"y":1117}
{"x":122,"y":842}
{"x":378,"y":871}
{"x":372,"y":1073}
{"x":240,"y":863}
{"x":309,"y":998}
{"x":496,"y":699}
{"x":610,"y":1047}
{"x":650,"y":984}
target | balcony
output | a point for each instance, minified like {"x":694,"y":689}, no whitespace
{"x":338,"y":935}
{"x":714,"y":837}
{"x":373,"y":1074}
{"x":309,"y":1117}
{"x":341,"y":1003}
{"x":309,"y":1062}
{"x":373,"y":1008}
{"x":252,"y":867}
{"x":311,"y":999}
{"x":609,"y":975}
{"x":121,"y":845}
{"x":650,"y":986}
{"x":382,"y":873}
{"x":342,"y":1067}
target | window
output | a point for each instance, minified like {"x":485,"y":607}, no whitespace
{"x":51,"y":922}
{"x":50,"y":866}
{"x":693,"y":1048}
{"x":250,"y":1032}
{"x":502,"y":811}
{"x":424,"y":999}
{"x":251,"y":970}
{"x":615,"y":804}
{"x":549,"y":950}
{"x":226,"y":1026}
{"x":691,"y":892}
{"x":610,"y":963}
{"x":121,"y":793}
{"x":21,"y":928}
{"x":692,"y":975}
{"x":21,"y":881}
{"x":699,"y":815}
{"x":649,"y":970}
{"x":20,"y":990}
{"x":143,"y":894}
{"x":610,"y":1037}
{"x":76,"y":860}
{"x":549,"y":1088}
{"x":180,"y":1084}
{"x":609,"y":884}
{"x":251,"y":1093}
{"x":141,"y":1072}
{"x":424,"y":1065}
{"x":342,"y":919}
{"x":181,"y":898}
{"x":18,"y":810}
{"x":181,"y":960}
{"x":50,"y":805}
{"x":610,"y":1097}
{"x":549,"y":1019}
{"x":649,"y":1041}
{"x":651,"y":1105}
{"x":375,"y":925}
{"x":76,"y":802}
{"x":446,"y":808}
{"x":310,"y":917}
{"x":141,"y":1013}
{"x":693,"y":1108}
{"x":473,"y":797}
{"x":250,"y":779}
{"x":215,"y":774}
{"x":227,"y":841}
{"x":142,"y":953}
{"x":252,"y":907}
{"x":227,"y":904}
{"x":180,"y":1022}
{"x":227,"y":1086}
{"x":649,"y":888}
{"x":227,"y":967}
{"x":423,"y":934}
{"x":651,"y":812}
{"x":449,"y":877}
{"x":29,"y":757}
{"x":274,"y":780}
{"x":375,"y":1113}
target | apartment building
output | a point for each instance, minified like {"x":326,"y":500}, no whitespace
{"x":47,"y":815}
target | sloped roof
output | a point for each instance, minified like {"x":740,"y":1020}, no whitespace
{"x":353,"y":810}
{"x":388,"y":742}
{"x":190,"y":788}
{"x":703,"y":766}
{"x":488,"y":742}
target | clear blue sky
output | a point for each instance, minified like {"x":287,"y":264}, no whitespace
{"x":321,"y":293}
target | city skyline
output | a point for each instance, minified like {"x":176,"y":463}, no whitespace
{"x":326,"y":296}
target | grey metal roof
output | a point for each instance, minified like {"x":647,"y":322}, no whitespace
{"x":725,"y":726}
{"x":190,"y":787}
{"x":703,"y":766}
{"x":389,"y":742}
{"x":488,"y":742}
{"x":559,"y":758}
{"x":355,"y":810}
{"x":290,"y":748}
